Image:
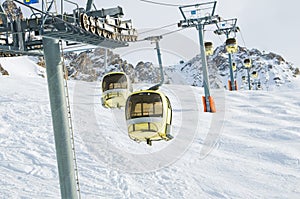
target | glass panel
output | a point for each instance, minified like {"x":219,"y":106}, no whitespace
{"x":114,"y":81}
{"x":137,"y":111}
{"x":144,"y":105}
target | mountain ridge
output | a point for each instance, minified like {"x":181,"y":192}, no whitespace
{"x":272,"y":69}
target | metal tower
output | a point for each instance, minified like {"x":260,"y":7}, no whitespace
{"x":156,"y":39}
{"x":227,"y":27}
{"x":198,"y":16}
{"x":40,"y":35}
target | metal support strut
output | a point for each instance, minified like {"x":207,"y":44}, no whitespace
{"x":60,"y":120}
{"x":232,"y":83}
{"x":193,"y":17}
{"x":89,"y":5}
{"x":227,"y":27}
{"x":162,"y":79}
{"x":248,"y":73}
{"x":204,"y":68}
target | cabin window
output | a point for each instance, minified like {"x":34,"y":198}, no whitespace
{"x":144,"y":105}
{"x":114,"y":81}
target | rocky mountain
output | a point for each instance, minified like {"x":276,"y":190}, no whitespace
{"x":268,"y":70}
{"x":3,"y":71}
{"x":89,"y":66}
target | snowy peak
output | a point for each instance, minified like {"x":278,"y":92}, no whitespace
{"x":147,"y":73}
{"x":89,"y":66}
{"x":268,"y":70}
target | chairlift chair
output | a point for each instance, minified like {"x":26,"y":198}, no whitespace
{"x":259,"y":85}
{"x":254,"y":74}
{"x":231,"y":45}
{"x":247,"y":63}
{"x":233,"y":66}
{"x":116,"y":88}
{"x":149,"y":116}
{"x":209,"y":50}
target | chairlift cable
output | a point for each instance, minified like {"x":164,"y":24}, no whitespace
{"x":167,"y":33}
{"x":243,"y":38}
{"x":171,"y":32}
{"x":207,"y":30}
{"x":220,"y":38}
{"x":159,"y":28}
{"x":162,"y":4}
{"x":210,"y":30}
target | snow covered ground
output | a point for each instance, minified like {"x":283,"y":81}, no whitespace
{"x":250,"y":148}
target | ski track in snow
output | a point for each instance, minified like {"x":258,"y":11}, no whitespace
{"x":255,"y":156}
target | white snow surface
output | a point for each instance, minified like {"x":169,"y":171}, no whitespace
{"x":250,"y":148}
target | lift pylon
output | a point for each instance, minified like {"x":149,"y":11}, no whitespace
{"x":156,"y":40}
{"x":103,"y":27}
{"x":227,"y":27}
{"x":50,"y":4}
{"x":47,"y":30}
{"x":199,"y":15}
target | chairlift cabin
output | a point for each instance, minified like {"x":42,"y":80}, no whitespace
{"x":231,"y":45}
{"x":247,"y":63}
{"x":254,"y":74}
{"x":116,"y":88}
{"x":209,"y":49}
{"x":233,"y":66}
{"x":149,"y":116}
{"x":259,"y":85}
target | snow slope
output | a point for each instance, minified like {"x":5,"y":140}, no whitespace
{"x":250,"y":148}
